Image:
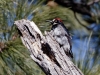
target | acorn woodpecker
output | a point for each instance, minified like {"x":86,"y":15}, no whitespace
{"x":61,"y":35}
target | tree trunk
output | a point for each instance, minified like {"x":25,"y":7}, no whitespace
{"x":45,"y":51}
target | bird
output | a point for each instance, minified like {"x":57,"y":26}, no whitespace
{"x":61,"y":35}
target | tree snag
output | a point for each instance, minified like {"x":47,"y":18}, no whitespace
{"x":45,"y":51}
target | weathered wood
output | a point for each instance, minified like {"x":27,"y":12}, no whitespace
{"x":45,"y":51}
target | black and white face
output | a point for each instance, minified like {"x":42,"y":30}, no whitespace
{"x":56,"y":21}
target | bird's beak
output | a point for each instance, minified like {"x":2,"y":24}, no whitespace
{"x":49,"y":21}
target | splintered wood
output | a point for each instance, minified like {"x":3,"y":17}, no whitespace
{"x":45,"y":51}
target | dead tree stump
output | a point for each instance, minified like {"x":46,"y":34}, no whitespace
{"x":45,"y":51}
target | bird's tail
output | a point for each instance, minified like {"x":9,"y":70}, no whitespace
{"x":69,"y":53}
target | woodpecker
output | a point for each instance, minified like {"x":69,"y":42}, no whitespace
{"x":61,"y":35}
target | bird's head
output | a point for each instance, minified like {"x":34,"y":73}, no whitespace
{"x":55,"y":21}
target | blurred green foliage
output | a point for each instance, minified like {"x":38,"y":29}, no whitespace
{"x":14,"y":57}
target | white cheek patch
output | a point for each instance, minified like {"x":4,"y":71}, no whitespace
{"x":55,"y":23}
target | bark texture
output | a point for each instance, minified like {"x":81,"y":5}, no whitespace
{"x":45,"y":51}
